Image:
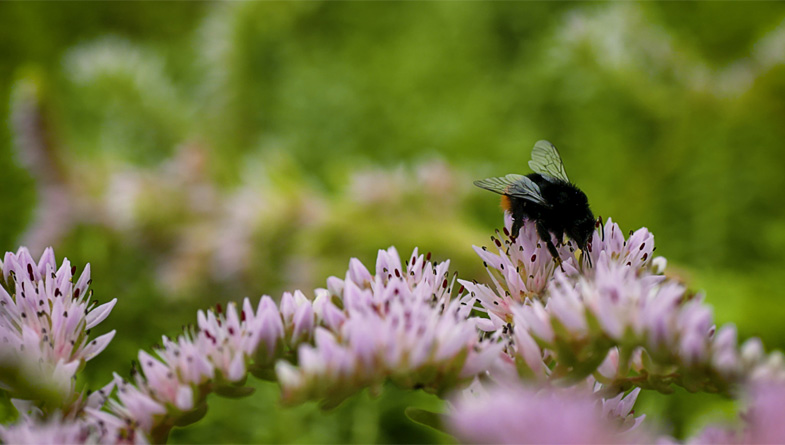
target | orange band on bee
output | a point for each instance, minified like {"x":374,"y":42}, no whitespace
{"x":506,"y":203}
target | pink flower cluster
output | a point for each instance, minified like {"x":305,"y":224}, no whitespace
{"x":45,"y":321}
{"x":596,"y":331}
{"x":521,"y":414}
{"x":523,"y":269}
{"x":44,"y":328}
{"x":566,"y":326}
{"x":216,"y":356}
{"x":400,"y":323}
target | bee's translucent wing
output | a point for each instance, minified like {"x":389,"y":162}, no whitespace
{"x":500,"y":184}
{"x":547,"y":161}
{"x":518,"y":186}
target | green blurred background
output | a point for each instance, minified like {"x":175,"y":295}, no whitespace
{"x":197,"y":153}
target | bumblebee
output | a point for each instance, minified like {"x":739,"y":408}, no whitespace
{"x":547,"y":198}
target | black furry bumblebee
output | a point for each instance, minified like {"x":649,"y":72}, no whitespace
{"x":547,"y":198}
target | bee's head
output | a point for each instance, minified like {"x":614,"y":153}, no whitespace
{"x":581,"y":232}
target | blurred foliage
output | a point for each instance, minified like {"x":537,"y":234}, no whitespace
{"x":200,"y":152}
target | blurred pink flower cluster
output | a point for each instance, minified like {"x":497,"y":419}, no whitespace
{"x":519,"y":414}
{"x":763,"y":421}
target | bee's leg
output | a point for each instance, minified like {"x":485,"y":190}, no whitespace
{"x":557,"y":259}
{"x":559,"y":242}
{"x":555,"y":254}
{"x":559,"y":235}
{"x":545,"y":235}
{"x":517,"y":223}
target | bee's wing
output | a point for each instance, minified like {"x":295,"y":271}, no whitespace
{"x":518,"y":186}
{"x":547,"y":161}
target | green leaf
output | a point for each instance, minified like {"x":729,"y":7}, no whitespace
{"x":427,"y":418}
